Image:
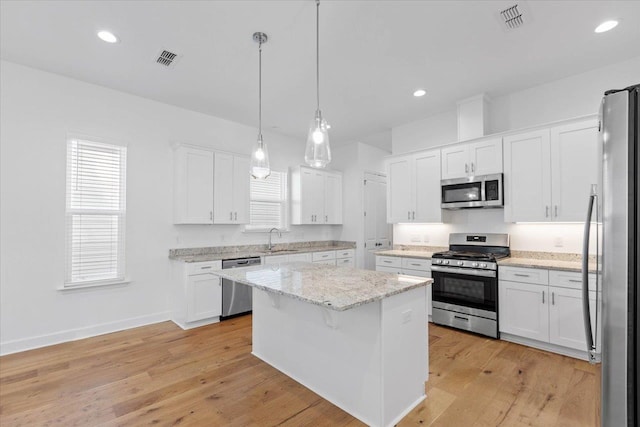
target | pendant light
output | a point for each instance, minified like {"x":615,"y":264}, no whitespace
{"x":259,"y":155}
{"x":318,"y":153}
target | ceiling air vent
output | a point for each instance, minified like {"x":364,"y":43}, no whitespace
{"x":512,"y":17}
{"x":167,"y":58}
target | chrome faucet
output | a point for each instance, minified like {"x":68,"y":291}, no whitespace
{"x":270,"y":247}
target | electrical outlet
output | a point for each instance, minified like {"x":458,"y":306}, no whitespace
{"x":415,"y":238}
{"x":426,"y":238}
{"x":558,"y":242}
{"x":407,"y":315}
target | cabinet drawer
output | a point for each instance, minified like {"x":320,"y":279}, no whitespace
{"x":418,"y":273}
{"x":345,"y":262}
{"x":321,"y":256}
{"x":345,"y":253}
{"x":416,"y":264}
{"x":524,"y":275}
{"x":276,"y":259}
{"x":300,"y":258}
{"x":389,"y":261}
{"x":203,"y":267}
{"x":326,"y":261}
{"x":388,"y":269}
{"x":570,"y":279}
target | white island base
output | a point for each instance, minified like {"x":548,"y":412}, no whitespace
{"x":370,"y":360}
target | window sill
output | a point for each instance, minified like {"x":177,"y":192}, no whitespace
{"x":99,"y":284}
{"x":264,"y":230}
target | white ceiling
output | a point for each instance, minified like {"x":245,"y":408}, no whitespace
{"x":374,"y":54}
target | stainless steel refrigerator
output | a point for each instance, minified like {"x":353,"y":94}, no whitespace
{"x":614,"y":214}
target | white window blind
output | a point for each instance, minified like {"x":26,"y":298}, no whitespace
{"x":268,"y":202}
{"x":95,"y":213}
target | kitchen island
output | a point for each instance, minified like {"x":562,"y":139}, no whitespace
{"x":358,"y":338}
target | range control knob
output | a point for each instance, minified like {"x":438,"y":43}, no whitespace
{"x":483,"y":265}
{"x":446,"y":261}
{"x":475,"y":264}
{"x":437,"y":261}
{"x":460,"y":263}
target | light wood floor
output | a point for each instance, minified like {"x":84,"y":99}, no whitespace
{"x":162,"y":375}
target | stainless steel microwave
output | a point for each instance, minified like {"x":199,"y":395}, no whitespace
{"x":483,"y":191}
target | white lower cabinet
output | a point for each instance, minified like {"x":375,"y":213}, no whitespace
{"x":343,"y":257}
{"x":523,"y":310}
{"x":197,"y":295}
{"x":204,"y":297}
{"x":410,"y":266}
{"x":545,"y":306}
{"x":566,"y":324}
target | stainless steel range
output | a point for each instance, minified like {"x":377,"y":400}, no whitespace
{"x":465,"y":282}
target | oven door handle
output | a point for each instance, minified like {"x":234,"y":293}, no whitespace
{"x":464,"y":271}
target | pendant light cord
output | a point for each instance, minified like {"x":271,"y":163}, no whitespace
{"x":318,"y":54}
{"x":260,"y":89}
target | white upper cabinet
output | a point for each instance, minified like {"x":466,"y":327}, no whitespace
{"x":482,"y":157}
{"x":193,"y":186}
{"x":231,"y":189}
{"x":332,"y":198}
{"x":527,"y":191}
{"x":316,"y":196}
{"x":574,"y":168}
{"x":210,"y":187}
{"x":399,"y":187}
{"x":413,"y":190}
{"x":549,"y":172}
{"x":426,"y":187}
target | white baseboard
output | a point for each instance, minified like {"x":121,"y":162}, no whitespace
{"x":23,"y":344}
{"x":577,"y":354}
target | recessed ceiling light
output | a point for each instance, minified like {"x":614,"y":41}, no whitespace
{"x":420,"y":92}
{"x":606,"y":26}
{"x":107,"y":37}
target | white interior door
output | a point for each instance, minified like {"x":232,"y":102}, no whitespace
{"x":377,"y":232}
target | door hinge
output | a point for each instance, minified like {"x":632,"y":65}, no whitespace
{"x":365,"y":245}
{"x":365,"y":213}
{"x":365,"y":182}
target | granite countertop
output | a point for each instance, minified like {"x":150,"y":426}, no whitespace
{"x":232,"y":252}
{"x":550,"y":260}
{"x":552,"y":264}
{"x":336,"y":288}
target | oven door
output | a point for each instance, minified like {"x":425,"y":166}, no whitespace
{"x":466,"y":292}
{"x":461,"y":193}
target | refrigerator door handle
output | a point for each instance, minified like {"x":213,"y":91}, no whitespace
{"x":586,"y":312}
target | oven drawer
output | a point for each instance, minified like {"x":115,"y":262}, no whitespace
{"x":388,"y":261}
{"x":524,"y":275}
{"x":416,"y":264}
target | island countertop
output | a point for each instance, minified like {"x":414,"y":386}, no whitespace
{"x":336,"y":288}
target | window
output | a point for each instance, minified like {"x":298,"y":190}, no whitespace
{"x":95,"y":213}
{"x":268,"y":202}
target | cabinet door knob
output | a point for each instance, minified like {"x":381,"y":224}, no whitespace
{"x":473,"y":167}
{"x":546,"y":211}
{"x":230,"y":216}
{"x":326,"y":218}
{"x":413,"y":215}
{"x":553,"y":298}
{"x":211,"y":215}
{"x":466,"y":168}
{"x":543,"y":297}
{"x":556,"y":210}
{"x":408,"y":214}
{"x":235,"y":216}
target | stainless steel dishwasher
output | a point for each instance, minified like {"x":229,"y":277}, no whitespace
{"x":236,"y":297}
